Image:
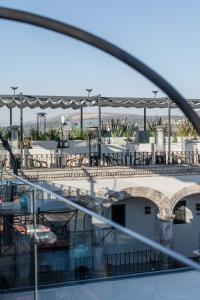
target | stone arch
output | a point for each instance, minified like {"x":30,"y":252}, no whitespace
{"x":190,"y":190}
{"x":159,"y":199}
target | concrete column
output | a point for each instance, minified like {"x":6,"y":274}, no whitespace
{"x":166,"y":235}
{"x":160,"y":143}
{"x":98,"y":246}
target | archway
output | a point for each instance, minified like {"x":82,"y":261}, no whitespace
{"x":186,"y":227}
{"x":141,"y":207}
{"x":159,"y":199}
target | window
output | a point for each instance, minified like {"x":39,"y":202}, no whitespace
{"x":118,"y":214}
{"x":180,"y":213}
{"x":147,"y":210}
{"x":198,"y":206}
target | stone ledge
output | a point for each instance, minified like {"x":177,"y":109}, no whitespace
{"x":80,"y":173}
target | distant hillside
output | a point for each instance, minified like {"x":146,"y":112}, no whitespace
{"x":91,"y":119}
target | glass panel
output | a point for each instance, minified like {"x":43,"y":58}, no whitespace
{"x":49,"y":242}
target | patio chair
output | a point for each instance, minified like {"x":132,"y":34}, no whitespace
{"x":36,"y":163}
{"x":27,"y":144}
{"x":111,"y":160}
{"x":3,"y":163}
{"x":75,"y":161}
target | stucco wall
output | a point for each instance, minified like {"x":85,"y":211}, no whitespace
{"x":186,"y":237}
{"x":136,"y":219}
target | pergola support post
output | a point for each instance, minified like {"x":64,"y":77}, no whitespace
{"x":99,"y":132}
{"x":145,"y":124}
{"x":81,"y":119}
{"x":10,"y":116}
{"x":169,"y":133}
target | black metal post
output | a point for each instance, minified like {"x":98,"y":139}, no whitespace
{"x":10,"y":116}
{"x":14,"y":88}
{"x":37,"y":124}
{"x":81,"y":119}
{"x":21,"y":133}
{"x":145,"y":124}
{"x":99,"y":131}
{"x":21,"y":118}
{"x":169,"y":130}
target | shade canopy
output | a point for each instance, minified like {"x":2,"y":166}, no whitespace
{"x":76,"y":102}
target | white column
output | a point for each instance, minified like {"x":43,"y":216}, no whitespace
{"x":166,"y":235}
{"x":98,"y":247}
{"x":160,"y":138}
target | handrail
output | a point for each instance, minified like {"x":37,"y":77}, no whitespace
{"x":126,"y":231}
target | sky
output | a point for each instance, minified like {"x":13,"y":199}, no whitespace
{"x":163,"y":34}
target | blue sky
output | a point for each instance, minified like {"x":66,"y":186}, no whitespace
{"x":164,"y":34}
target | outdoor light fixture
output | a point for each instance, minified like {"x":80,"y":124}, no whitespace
{"x":89,"y":91}
{"x":14,"y":88}
{"x":155,"y":93}
{"x":63,"y":121}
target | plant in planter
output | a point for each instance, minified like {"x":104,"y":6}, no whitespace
{"x":152,"y":125}
{"x":186,"y":129}
{"x":51,"y":135}
{"x":77,"y":134}
{"x":6,"y":133}
{"x":118,"y":128}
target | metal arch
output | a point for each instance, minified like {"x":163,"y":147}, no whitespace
{"x":84,"y":36}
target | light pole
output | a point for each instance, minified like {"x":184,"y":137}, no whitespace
{"x":155,"y":94}
{"x":14,"y":88}
{"x":81,"y":116}
{"x":99,"y":134}
{"x":21,"y":131}
{"x":169,"y":130}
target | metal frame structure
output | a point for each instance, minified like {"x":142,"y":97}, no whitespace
{"x":86,"y":37}
{"x":68,"y":30}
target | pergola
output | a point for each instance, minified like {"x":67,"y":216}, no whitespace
{"x":79,"y":102}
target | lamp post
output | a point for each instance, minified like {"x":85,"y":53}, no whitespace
{"x":81,"y":115}
{"x":14,"y":88}
{"x":169,"y":130}
{"x":145,"y":116}
{"x":99,"y":131}
{"x":21,"y":130}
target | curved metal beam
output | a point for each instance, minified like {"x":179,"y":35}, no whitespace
{"x":84,"y":36}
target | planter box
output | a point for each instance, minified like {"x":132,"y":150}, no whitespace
{"x":118,"y":140}
{"x":152,"y":140}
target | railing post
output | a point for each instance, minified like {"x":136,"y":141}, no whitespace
{"x":35,"y":246}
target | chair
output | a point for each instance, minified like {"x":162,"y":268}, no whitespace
{"x":76,"y":161}
{"x":35,"y":163}
{"x":27,"y":144}
{"x":3,"y":163}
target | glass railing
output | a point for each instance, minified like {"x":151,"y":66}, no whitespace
{"x":47,"y":241}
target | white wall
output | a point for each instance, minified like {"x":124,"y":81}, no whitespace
{"x":116,"y":145}
{"x":137,"y":220}
{"x":186,"y":237}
